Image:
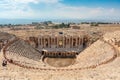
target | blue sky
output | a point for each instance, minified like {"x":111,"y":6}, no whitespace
{"x":60,"y":9}
{"x":93,"y":3}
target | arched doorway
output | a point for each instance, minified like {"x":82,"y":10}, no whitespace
{"x":60,"y":43}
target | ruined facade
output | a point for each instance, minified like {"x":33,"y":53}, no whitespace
{"x":59,"y":43}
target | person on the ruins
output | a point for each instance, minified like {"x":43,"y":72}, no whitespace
{"x":4,"y":64}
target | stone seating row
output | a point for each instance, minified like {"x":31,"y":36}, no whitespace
{"x":21,"y":48}
{"x":21,"y":60}
{"x":97,"y":53}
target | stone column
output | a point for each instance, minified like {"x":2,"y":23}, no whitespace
{"x":48,"y":42}
{"x":57,"y":42}
{"x":54,"y":42}
{"x":76,"y":42}
{"x":66,"y":42}
{"x":39,"y":41}
{"x":63,"y":42}
{"x":69,"y":42}
{"x":43,"y":41}
{"x":79,"y":41}
{"x":82,"y":40}
{"x":51,"y":41}
{"x":72,"y":42}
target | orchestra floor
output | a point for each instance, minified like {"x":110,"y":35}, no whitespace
{"x":59,"y":62}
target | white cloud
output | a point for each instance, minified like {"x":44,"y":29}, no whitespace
{"x":14,"y":9}
{"x":22,"y":9}
{"x":37,"y":1}
{"x":49,"y":1}
{"x":18,"y":4}
{"x":26,"y":1}
{"x":87,"y":12}
{"x":96,"y":11}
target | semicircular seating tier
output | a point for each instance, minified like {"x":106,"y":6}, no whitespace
{"x":23,"y":54}
{"x":97,"y":54}
{"x":114,"y":39}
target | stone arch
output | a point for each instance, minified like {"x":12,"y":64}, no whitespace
{"x":54,"y":54}
{"x":60,"y":43}
{"x":67,"y":53}
{"x":59,"y":53}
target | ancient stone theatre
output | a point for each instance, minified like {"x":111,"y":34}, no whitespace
{"x":59,"y":43}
